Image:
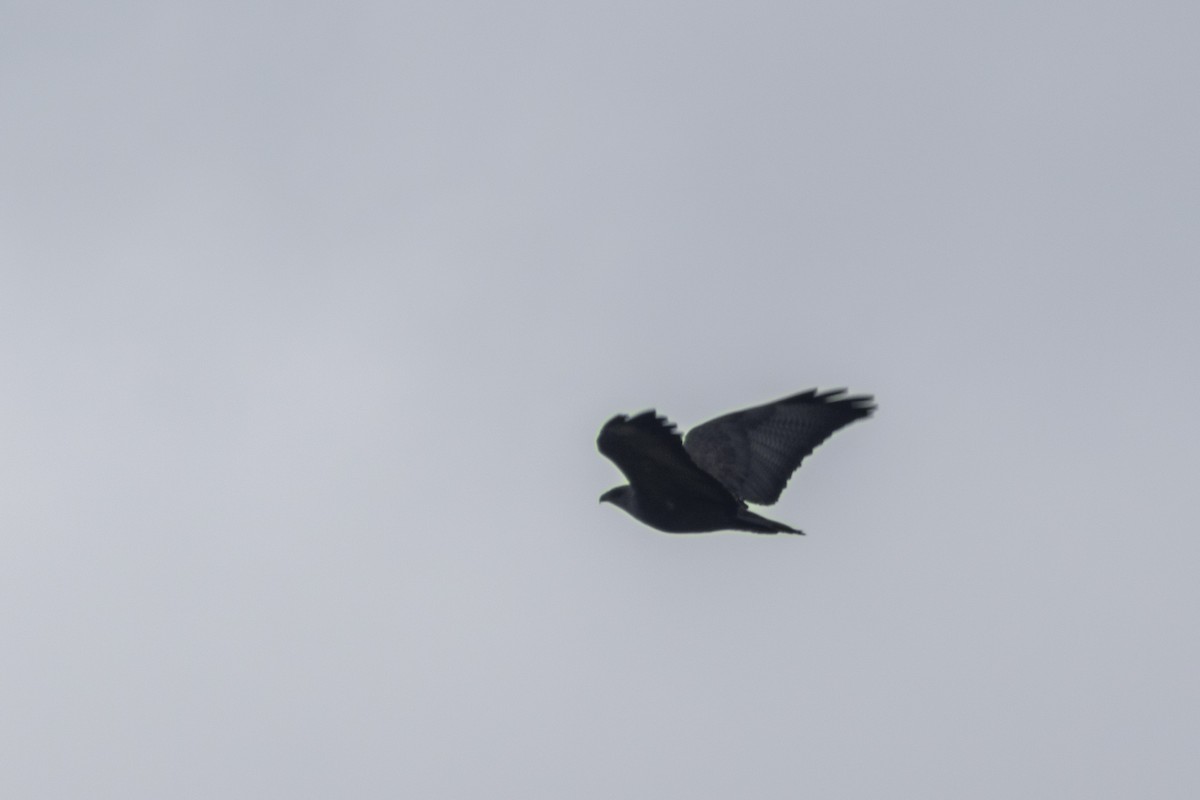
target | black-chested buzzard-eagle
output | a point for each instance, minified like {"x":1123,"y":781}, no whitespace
{"x":701,"y":482}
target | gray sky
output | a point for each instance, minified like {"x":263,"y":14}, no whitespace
{"x":309,"y":315}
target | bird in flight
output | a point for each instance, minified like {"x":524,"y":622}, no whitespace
{"x":702,"y":482}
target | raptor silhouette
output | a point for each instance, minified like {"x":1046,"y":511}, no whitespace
{"x":702,"y":482}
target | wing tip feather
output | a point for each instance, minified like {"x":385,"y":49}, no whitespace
{"x":862,"y":405}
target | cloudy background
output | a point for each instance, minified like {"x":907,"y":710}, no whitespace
{"x":309,"y":314}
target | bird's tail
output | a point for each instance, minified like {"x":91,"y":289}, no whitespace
{"x":759,"y":524}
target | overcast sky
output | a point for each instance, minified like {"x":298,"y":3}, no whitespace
{"x":310,"y":313}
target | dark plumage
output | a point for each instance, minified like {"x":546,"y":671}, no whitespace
{"x":702,"y":482}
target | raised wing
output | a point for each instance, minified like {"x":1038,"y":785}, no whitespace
{"x":754,"y":452}
{"x":650,"y":452}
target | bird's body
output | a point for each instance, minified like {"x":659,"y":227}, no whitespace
{"x":701,"y":483}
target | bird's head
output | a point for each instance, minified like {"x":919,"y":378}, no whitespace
{"x":618,"y":496}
